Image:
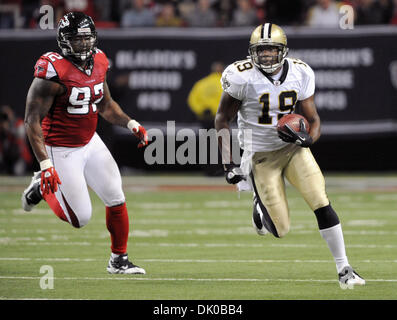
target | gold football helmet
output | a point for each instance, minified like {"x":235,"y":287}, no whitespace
{"x":268,"y":47}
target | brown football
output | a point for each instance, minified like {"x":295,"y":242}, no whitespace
{"x":293,"y":121}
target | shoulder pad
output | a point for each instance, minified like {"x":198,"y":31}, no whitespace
{"x":233,"y":75}
{"x":234,"y":80}
{"x":101,"y":56}
{"x":301,"y":66}
{"x":44,"y":67}
{"x":52,"y":56}
{"x":308,"y":77}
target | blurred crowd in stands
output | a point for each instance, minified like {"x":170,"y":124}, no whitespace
{"x":200,"y":13}
{"x":15,"y":154}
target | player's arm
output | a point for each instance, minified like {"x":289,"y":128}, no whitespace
{"x":111,"y":111}
{"x":309,"y":111}
{"x":39,"y":100}
{"x":227,"y":111}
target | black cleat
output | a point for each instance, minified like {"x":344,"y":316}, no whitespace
{"x":121,"y":265}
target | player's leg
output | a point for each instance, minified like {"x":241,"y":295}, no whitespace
{"x":71,"y":203}
{"x":103,"y":176}
{"x":31,"y":196}
{"x":304,"y":173}
{"x":269,"y":188}
{"x":72,"y":199}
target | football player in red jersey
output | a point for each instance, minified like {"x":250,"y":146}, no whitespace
{"x":68,"y":92}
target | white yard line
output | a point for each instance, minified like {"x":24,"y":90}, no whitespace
{"x":9,"y":242}
{"x":134,"y":278}
{"x":15,"y":234}
{"x":194,"y":260}
{"x":8,"y":298}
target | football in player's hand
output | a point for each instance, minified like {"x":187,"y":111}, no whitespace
{"x":292,"y":120}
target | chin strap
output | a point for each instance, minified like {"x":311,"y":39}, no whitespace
{"x":76,"y":61}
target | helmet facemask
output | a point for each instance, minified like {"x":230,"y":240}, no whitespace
{"x":80,"y":46}
{"x":268,"y":56}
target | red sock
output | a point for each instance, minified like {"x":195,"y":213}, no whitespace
{"x":118,"y":225}
{"x":55,"y":206}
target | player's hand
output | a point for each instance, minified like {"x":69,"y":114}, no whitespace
{"x":233,"y":173}
{"x":139,"y":131}
{"x":301,"y":137}
{"x":49,"y":177}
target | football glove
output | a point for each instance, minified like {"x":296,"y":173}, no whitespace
{"x":301,"y":138}
{"x":49,"y":177}
{"x":233,"y":173}
{"x":139,"y":131}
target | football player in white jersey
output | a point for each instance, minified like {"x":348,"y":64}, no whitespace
{"x":260,"y":90}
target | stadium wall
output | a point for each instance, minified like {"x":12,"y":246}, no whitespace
{"x":153,"y":70}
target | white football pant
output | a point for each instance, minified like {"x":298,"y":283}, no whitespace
{"x":91,"y":165}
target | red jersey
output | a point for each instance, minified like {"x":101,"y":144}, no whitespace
{"x":72,"y":119}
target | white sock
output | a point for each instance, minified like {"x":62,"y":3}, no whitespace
{"x":334,"y":238}
{"x":114,"y":255}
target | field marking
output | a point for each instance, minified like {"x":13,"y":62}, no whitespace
{"x":53,"y":234}
{"x":49,"y":259}
{"x":8,"y":298}
{"x":230,"y":221}
{"x":134,"y":278}
{"x":321,"y":244}
{"x":138,"y":221}
{"x":259,"y":245}
{"x":196,"y":260}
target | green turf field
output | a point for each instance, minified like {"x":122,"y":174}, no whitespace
{"x":195,"y":240}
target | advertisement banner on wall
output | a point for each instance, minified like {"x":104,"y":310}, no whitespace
{"x":153,"y":71}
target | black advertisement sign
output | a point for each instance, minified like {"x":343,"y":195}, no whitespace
{"x":152,"y":71}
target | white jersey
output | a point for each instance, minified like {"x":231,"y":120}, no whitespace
{"x":265,"y":100}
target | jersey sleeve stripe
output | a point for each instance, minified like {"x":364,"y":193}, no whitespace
{"x":51,"y":73}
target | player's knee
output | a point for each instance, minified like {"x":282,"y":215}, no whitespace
{"x":317,"y":201}
{"x":81,"y":220}
{"x":85,"y":219}
{"x":282,"y":230}
{"x":114,"y":202}
{"x":113,"y":197}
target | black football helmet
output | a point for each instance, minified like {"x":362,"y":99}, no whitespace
{"x":76,"y":36}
